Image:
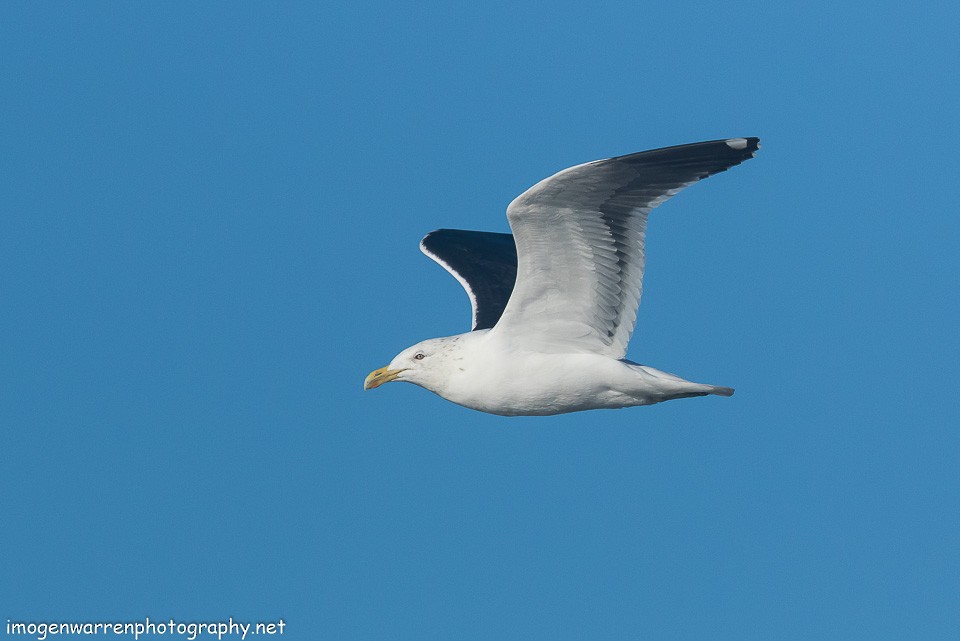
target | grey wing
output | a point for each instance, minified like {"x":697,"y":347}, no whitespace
{"x":580,"y":244}
{"x":485,"y":263}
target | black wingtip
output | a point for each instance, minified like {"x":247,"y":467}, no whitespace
{"x":713,"y":155}
{"x":748,"y":146}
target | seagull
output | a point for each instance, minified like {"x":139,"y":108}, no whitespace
{"x":554,"y":303}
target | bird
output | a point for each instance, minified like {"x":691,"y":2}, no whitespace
{"x":554,"y":303}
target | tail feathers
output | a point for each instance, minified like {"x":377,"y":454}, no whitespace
{"x":671,"y":386}
{"x":699,"y":390}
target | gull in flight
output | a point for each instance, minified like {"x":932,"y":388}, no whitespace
{"x":554,"y":303}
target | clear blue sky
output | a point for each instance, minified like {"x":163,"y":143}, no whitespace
{"x":208,"y":237}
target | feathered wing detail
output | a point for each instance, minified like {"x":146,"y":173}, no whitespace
{"x":580,"y":244}
{"x":485,"y":263}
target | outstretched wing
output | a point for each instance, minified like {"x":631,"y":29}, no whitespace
{"x":580,"y":243}
{"x":485,"y":263}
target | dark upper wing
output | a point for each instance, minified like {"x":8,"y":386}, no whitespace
{"x":485,"y":263}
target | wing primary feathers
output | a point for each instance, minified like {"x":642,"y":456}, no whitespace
{"x":580,"y":238}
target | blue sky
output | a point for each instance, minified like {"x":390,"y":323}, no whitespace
{"x":208,"y":237}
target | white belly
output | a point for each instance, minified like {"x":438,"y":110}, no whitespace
{"x":541,"y":384}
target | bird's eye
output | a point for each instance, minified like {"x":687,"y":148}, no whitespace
{"x":418,"y":356}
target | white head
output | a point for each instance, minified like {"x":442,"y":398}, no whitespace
{"x":428,"y":364}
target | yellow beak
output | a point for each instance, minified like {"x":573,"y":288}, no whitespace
{"x":378,"y":377}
